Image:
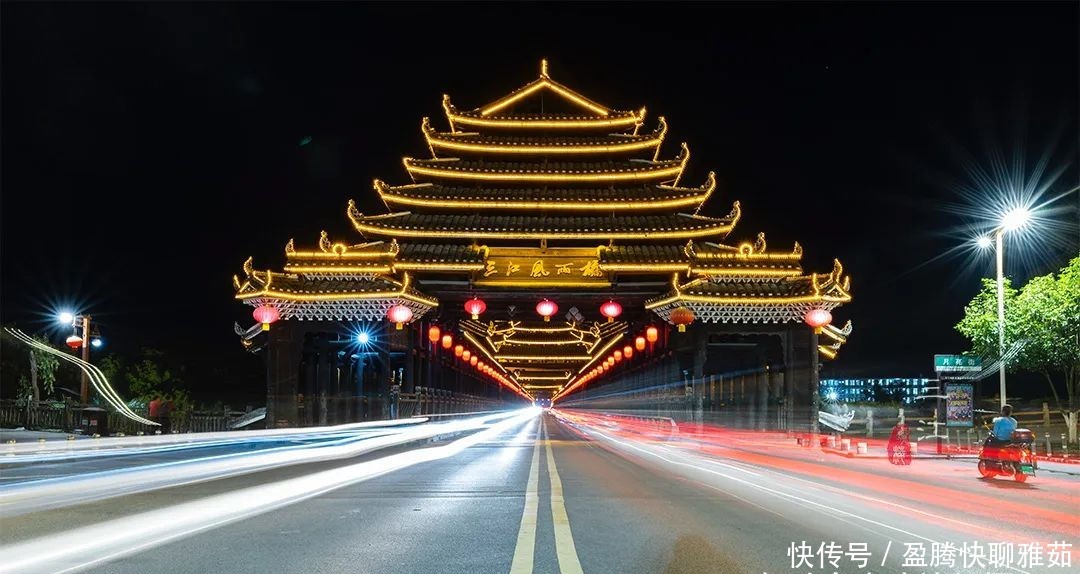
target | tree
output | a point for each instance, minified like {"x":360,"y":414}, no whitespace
{"x":980,"y":322}
{"x":151,"y":376}
{"x":1046,"y":315}
{"x":38,"y":379}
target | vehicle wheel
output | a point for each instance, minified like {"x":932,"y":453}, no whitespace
{"x":1020,"y":476}
{"x":985,"y":470}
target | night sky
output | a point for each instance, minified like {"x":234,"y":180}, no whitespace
{"x":148,"y":149}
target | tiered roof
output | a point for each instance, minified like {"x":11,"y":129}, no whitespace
{"x":646,"y":197}
{"x":544,"y":166}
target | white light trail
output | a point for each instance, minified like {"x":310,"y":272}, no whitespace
{"x":87,"y":546}
{"x":97,"y":378}
{"x":111,"y":446}
{"x":35,"y":496}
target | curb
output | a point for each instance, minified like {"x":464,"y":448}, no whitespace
{"x":1059,"y":459}
{"x":849,"y":454}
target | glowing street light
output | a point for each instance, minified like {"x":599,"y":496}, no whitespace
{"x":1013,"y":220}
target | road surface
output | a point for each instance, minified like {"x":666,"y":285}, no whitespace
{"x":537,"y":492}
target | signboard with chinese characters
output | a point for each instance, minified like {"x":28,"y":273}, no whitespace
{"x":959,"y":405}
{"x":957,"y":364}
{"x":555,"y":267}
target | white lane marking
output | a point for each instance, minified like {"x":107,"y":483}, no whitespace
{"x":526,"y":540}
{"x":564,"y":538}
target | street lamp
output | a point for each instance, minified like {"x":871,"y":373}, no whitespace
{"x":76,"y":321}
{"x":1011,"y":221}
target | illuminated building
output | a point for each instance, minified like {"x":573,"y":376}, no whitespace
{"x":541,"y":194}
{"x":899,"y":389}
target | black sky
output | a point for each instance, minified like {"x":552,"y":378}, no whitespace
{"x":148,"y":149}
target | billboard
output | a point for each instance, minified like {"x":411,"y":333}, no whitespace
{"x":959,"y":405}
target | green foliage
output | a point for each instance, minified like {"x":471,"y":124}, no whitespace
{"x":44,"y":366}
{"x":1043,"y":308}
{"x":151,"y":376}
{"x":114,"y":368}
{"x":980,"y":322}
{"x":1046,"y":315}
{"x":33,"y":369}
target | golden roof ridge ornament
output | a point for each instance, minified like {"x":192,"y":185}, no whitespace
{"x":663,"y":128}
{"x":759,"y":243}
{"x":797,"y":250}
{"x":449,"y":110}
{"x":324,"y":242}
{"x":689,"y":249}
{"x":541,"y":83}
{"x":290,"y":247}
{"x":735,"y":213}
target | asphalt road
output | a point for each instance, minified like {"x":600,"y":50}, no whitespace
{"x":564,"y":492}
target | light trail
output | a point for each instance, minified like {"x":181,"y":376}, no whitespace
{"x":88,"y":546}
{"x":841,"y":482}
{"x":689,"y":462}
{"x":97,"y":378}
{"x":51,"y":451}
{"x":39,"y":495}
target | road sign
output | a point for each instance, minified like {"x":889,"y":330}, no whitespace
{"x":956,"y":363}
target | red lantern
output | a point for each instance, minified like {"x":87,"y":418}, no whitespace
{"x":652,"y":334}
{"x":818,"y":318}
{"x":434,"y":333}
{"x":447,"y":341}
{"x":466,"y":355}
{"x":74,"y":341}
{"x":475,"y":306}
{"x":480,"y":366}
{"x":265,"y":314}
{"x":399,"y":315}
{"x":611,"y":309}
{"x":459,"y":350}
{"x":546,"y":308}
{"x":628,"y":351}
{"x":682,"y":317}
{"x":639,"y":343}
{"x":473,"y":360}
{"x":618,"y":355}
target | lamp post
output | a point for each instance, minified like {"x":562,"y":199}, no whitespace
{"x":83,"y":321}
{"x":1011,"y":221}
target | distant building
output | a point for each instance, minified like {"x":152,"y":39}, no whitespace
{"x":898,"y":389}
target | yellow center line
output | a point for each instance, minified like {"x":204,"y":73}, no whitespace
{"x":526,"y":540}
{"x":564,"y":539}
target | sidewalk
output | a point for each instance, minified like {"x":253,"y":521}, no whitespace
{"x":20,"y":434}
{"x":928,"y":451}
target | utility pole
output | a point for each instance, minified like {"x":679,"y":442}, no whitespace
{"x":84,"y":387}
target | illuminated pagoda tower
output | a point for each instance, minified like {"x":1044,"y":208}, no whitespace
{"x":548,"y":245}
